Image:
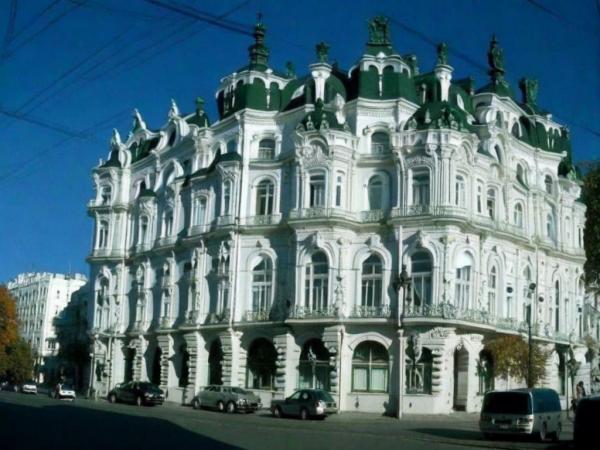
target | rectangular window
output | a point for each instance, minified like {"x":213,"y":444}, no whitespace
{"x":420,"y":187}
{"x":338,"y":191}
{"x":317,"y":191}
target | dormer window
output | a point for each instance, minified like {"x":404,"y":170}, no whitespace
{"x":266,"y":149}
{"x":380,"y":143}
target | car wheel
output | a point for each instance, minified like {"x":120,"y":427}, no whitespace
{"x":543,"y":432}
{"x":138,"y":401}
{"x":112,"y":398}
{"x":556,"y":434}
{"x":277,"y":412}
{"x":303,"y":414}
{"x":220,"y":406}
{"x":230,"y":407}
{"x":196,"y":404}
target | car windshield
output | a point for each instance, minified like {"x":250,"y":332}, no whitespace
{"x":323,"y":395}
{"x":238,"y":390}
{"x":507,"y":403}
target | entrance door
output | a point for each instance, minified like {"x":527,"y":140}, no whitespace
{"x":461,"y":377}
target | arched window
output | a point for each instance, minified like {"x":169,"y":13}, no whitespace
{"x":548,"y":184}
{"x":499,"y":121}
{"x":266,"y":149}
{"x":485,"y":372}
{"x":372,"y":282}
{"x":200,"y":210}
{"x":419,"y":371}
{"x":492,"y":290}
{"x":143,"y":236}
{"x":521,"y":175}
{"x":497,"y":153}
{"x":103,"y":234}
{"x":265,"y":192}
{"x":491,"y":203}
{"x":420,"y":188}
{"x":261,"y":367}
{"x":102,"y":304}
{"x":314,"y":368}
{"x":262,"y":286}
{"x":479,"y":197}
{"x":106,"y":194}
{"x":184,"y":377}
{"x":375,"y":191}
{"x":156,"y":367}
{"x":370,"y":368}
{"x":317,"y":283}
{"x":515,"y":130}
{"x":460,"y":191}
{"x":380,"y":143}
{"x":421,"y":273}
{"x":528,"y":296}
{"x":317,"y":191}
{"x":518,"y":215}
{"x":579,"y":238}
{"x":168,"y":223}
{"x":568,"y":231}
{"x":557,"y":306}
{"x":227,"y":197}
{"x":464,"y":267}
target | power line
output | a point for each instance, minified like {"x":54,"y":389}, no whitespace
{"x":10,"y":29}
{"x":36,"y":17}
{"x":560,"y":17}
{"x":44,"y":124}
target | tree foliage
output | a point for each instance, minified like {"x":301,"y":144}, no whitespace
{"x":16,"y":361}
{"x":590,"y":195}
{"x":511,"y":356}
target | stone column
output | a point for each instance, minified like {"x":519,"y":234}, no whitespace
{"x":195,"y":345}
{"x":287,"y":353}
{"x":232,"y":355}
{"x":165,"y":343}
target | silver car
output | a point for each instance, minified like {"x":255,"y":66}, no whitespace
{"x":227,"y":398}
{"x":534,"y":412}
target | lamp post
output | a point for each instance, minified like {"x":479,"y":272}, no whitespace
{"x":402,"y":281}
{"x":532,"y":296}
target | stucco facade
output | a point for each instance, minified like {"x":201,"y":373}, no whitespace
{"x":263,"y":250}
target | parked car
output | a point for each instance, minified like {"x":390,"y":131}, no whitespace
{"x":8,"y":386}
{"x":63,"y":390}
{"x":586,"y":420}
{"x":534,"y":412}
{"x":305,"y":403}
{"x":137,"y":392}
{"x":29,"y":387}
{"x":227,"y":398}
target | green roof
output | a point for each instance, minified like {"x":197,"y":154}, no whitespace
{"x":437,"y":115}
{"x":320,"y":119}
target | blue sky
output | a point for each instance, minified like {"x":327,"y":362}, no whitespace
{"x":72,"y":70}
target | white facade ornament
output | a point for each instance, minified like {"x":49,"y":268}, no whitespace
{"x":338,"y":106}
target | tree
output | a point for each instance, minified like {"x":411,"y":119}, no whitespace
{"x":8,"y":325}
{"x":590,"y":195}
{"x":19,"y":361}
{"x":511,"y":354}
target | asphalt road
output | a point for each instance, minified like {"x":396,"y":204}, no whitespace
{"x":39,"y":422}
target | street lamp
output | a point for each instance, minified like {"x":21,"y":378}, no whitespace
{"x":532,"y":291}
{"x":402,"y":281}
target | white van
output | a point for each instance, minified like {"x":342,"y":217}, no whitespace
{"x":521,"y":411}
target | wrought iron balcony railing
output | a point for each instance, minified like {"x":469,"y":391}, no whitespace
{"x":303,"y":312}
{"x":362,"y":311}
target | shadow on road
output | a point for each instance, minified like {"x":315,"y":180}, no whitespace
{"x":65,"y":427}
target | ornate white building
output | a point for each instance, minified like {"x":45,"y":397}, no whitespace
{"x":264,"y":250}
{"x":40,"y":298}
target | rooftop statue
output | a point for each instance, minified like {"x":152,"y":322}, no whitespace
{"x":442,"y":54}
{"x":495,"y":56}
{"x":379,"y":33}
{"x":322,"y":52}
{"x":529,"y":89}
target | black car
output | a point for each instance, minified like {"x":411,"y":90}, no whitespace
{"x":137,"y":392}
{"x":586,"y":421}
{"x":305,"y":403}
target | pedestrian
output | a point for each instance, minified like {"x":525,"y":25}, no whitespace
{"x":580,"y":391}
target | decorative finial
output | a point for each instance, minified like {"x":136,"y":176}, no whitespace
{"x":529,"y":90}
{"x":442,"y":54}
{"x":138,"y":122}
{"x":290,"y":70}
{"x":322,"y":52}
{"x":379,"y":33}
{"x":259,"y":53}
{"x":199,"y":106}
{"x":496,"y":60}
{"x":116,"y":142}
{"x":174,"y":111}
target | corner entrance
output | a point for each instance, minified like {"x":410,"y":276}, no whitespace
{"x":461,"y":379}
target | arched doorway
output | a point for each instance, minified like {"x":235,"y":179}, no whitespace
{"x":129,"y":358}
{"x":314,"y":369}
{"x":485,"y":371}
{"x":260,"y":371}
{"x":156,"y":369}
{"x":215,"y":363}
{"x":461,"y":378}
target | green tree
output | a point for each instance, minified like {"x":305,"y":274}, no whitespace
{"x":511,"y":355}
{"x":590,"y":195}
{"x":19,"y":360}
{"x":8,"y":325}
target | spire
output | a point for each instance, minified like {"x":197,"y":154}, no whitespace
{"x":174,"y":110}
{"x":258,"y":52}
{"x":138,"y":122}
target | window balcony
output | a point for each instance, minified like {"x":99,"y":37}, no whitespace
{"x":303,"y":312}
{"x":263,"y":220}
{"x":223,"y":221}
{"x":199,"y":229}
{"x":144,"y":247}
{"x":321,"y":213}
{"x":362,"y":311}
{"x":257,"y":316}
{"x":371,"y":216}
{"x":166,"y":240}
